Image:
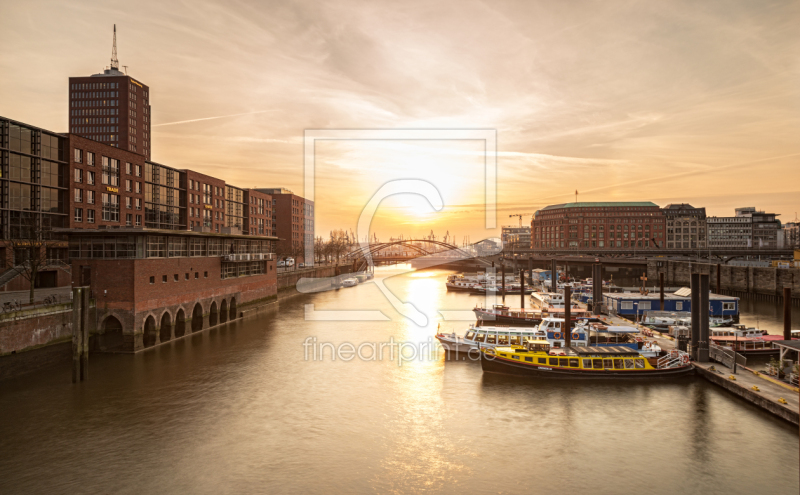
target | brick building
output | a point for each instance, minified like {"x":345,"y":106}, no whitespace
{"x":205,"y":202}
{"x":153,"y":286}
{"x":598,"y":226}
{"x":259,"y":219}
{"x":111,"y":108}
{"x":292,"y":222}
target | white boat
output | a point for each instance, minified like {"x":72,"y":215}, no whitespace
{"x":349,"y":282}
{"x":549,"y":329}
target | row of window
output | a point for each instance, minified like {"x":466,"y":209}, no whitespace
{"x":176,"y":278}
{"x":98,"y":85}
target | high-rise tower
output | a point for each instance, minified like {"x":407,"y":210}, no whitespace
{"x":112,"y":108}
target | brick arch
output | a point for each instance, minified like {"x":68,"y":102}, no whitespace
{"x":223,"y":311}
{"x":197,"y":316}
{"x":165,"y":325}
{"x":232,"y":310}
{"x":111,"y":333}
{"x":149,"y":331}
{"x":180,"y":322}
{"x":213,"y":314}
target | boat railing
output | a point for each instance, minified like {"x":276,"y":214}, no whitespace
{"x":673,"y":359}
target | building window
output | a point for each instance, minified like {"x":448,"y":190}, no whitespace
{"x":89,"y":178}
{"x":679,"y":306}
{"x":110,"y":207}
{"x":163,"y":279}
{"x":138,"y":220}
{"x":128,"y":220}
{"x":79,"y":214}
{"x":175,"y":277}
{"x":79,"y":195}
{"x":78,"y":156}
{"x":128,"y":203}
{"x":90,"y":216}
{"x":128,"y":185}
{"x":128,"y":168}
{"x":152,"y":280}
{"x":138,"y":203}
{"x":138,"y":170}
{"x":90,"y":197}
{"x":78,"y":175}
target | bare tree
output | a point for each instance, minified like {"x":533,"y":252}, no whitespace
{"x":29,"y":243}
{"x":339,"y":243}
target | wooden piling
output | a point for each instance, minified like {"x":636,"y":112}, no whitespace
{"x":787,"y":313}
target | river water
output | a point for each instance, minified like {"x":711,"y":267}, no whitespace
{"x":246,"y":408}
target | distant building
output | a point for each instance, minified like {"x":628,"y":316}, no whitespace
{"x":791,"y":235}
{"x":292,"y":222}
{"x":686,"y":226}
{"x":599,"y":226}
{"x":516,"y":237}
{"x":749,"y":228}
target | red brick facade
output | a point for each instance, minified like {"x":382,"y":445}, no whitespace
{"x":87,"y":187}
{"x":258,"y":217}
{"x":205,"y":202}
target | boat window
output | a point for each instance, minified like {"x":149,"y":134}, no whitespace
{"x":598,"y":364}
{"x":491,"y":338}
{"x":553,"y":361}
{"x":639,"y":363}
{"x":563,"y":362}
{"x":470,"y":335}
{"x":515,"y":340}
{"x":573,"y":362}
{"x":502,"y":339}
{"x":529,"y":359}
{"x":515,"y":356}
{"x":480,"y":337}
{"x":557,"y":343}
{"x":587,"y":363}
{"x":608,"y":363}
{"x":629,"y":364}
{"x":618,"y":364}
{"x":542,"y":360}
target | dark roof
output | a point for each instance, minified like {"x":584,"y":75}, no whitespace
{"x":602,"y":204}
{"x":605,"y":351}
{"x":792,"y":344}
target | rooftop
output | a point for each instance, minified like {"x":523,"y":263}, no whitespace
{"x":603,"y":204}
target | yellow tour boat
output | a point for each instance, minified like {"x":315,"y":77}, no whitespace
{"x":535,"y":359}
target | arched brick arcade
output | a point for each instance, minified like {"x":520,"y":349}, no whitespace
{"x":233,"y":314}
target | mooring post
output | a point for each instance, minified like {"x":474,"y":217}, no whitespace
{"x":702,"y":349}
{"x":597,"y":288}
{"x":85,"y":334}
{"x":80,"y":297}
{"x":503,"y":281}
{"x":567,"y":326}
{"x":787,"y":313}
{"x":553,"y":282}
{"x":522,"y":288}
{"x":695,"y":303}
{"x":719,"y":279}
{"x":661,"y":289}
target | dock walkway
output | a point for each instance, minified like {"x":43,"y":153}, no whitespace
{"x":752,"y":386}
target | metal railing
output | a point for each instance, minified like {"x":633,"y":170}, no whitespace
{"x":673,"y":359}
{"x":725,"y":356}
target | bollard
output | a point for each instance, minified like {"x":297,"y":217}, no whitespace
{"x":787,"y":313}
{"x":80,"y":334}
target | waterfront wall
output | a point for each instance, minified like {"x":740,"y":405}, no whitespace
{"x":288,"y":279}
{"x":742,"y":281}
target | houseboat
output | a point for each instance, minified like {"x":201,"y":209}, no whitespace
{"x":662,"y":320}
{"x":465,"y":282}
{"x":537,"y":359}
{"x":635,"y":305}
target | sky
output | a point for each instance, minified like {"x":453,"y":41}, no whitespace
{"x":695,"y":102}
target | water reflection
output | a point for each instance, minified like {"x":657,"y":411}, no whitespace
{"x":239,"y":409}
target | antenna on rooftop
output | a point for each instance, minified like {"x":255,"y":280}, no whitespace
{"x":114,"y":61}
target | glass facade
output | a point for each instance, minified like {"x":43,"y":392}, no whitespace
{"x":164,"y":246}
{"x":163,"y":201}
{"x":234,"y":207}
{"x":33,"y":173}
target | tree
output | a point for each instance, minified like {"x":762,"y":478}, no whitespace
{"x":298,"y":251}
{"x":339,"y":243}
{"x":29,"y":242}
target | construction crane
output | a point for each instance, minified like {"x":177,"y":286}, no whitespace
{"x":520,"y":215}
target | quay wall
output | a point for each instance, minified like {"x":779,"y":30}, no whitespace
{"x":288,"y":279}
{"x":765,"y":283}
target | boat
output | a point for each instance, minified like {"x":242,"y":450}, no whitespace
{"x":547,"y":300}
{"x":511,"y":289}
{"x":537,"y":359}
{"x":663,"y":320}
{"x":487,"y":336}
{"x":349,"y":282}
{"x":503,"y":315}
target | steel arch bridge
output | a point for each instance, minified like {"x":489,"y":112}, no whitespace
{"x":360,"y":256}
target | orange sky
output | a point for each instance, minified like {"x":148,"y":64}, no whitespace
{"x":662,"y":101}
